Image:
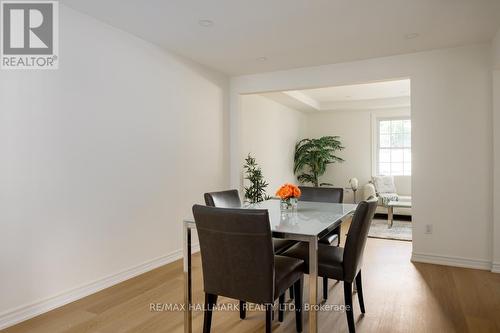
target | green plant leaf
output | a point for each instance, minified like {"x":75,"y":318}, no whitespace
{"x":256,"y":191}
{"x":312,"y":156}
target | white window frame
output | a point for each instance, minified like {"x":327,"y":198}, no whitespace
{"x":377,"y":116}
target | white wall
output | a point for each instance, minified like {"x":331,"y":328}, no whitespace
{"x":496,"y":152}
{"x":496,"y":50}
{"x":451,"y":137}
{"x":269,"y":131}
{"x":355,"y":129}
{"x":496,"y":155}
{"x":100,"y":160}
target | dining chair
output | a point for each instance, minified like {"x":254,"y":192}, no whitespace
{"x":238,"y":261}
{"x":344,"y":263}
{"x":231,"y":199}
{"x":223,"y":199}
{"x":330,"y":195}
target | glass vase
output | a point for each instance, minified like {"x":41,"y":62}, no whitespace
{"x":288,"y":205}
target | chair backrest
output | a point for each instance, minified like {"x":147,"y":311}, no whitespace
{"x":223,"y":199}
{"x":236,"y":252}
{"x":356,"y":238}
{"x":322,"y":194}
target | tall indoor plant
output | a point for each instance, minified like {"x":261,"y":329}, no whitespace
{"x":312,"y":156}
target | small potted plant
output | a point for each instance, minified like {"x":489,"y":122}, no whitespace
{"x":256,"y":191}
{"x":289,"y":195}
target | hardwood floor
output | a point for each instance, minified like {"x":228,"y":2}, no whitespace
{"x":399,"y":297}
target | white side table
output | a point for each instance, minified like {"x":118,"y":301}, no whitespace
{"x":390,"y":210}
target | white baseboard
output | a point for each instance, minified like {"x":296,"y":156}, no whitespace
{"x":22,"y":313}
{"x":495,"y":267}
{"x":451,"y":261}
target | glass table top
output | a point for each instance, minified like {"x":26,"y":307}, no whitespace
{"x":310,"y":218}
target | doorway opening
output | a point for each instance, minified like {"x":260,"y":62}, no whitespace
{"x":373,"y":124}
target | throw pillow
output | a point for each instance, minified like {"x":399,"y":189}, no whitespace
{"x":384,"y":184}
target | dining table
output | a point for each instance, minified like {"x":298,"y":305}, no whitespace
{"x":308,"y":222}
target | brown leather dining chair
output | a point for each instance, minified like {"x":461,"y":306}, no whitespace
{"x":238,"y":261}
{"x":344,"y":263}
{"x":330,"y":195}
{"x":231,"y":199}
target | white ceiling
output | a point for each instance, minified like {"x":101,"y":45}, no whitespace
{"x":374,"y":95}
{"x":297,"y":33}
{"x":374,"y":90}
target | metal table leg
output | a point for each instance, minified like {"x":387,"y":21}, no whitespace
{"x":187,"y":280}
{"x":313,"y":284}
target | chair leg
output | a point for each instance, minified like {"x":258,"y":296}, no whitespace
{"x":325,"y":288}
{"x":243,"y":309}
{"x":281,"y":305}
{"x":359,"y":287}
{"x":298,"y":287}
{"x":210,"y":302}
{"x":348,"y":306}
{"x":291,"y":292}
{"x":269,"y":313}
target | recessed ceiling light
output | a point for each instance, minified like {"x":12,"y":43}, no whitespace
{"x":262,"y":58}
{"x":412,"y":35}
{"x":206,"y":23}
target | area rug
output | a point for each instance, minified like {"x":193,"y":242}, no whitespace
{"x":400,"y":230}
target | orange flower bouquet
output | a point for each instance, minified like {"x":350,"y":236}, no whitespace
{"x":289,"y":195}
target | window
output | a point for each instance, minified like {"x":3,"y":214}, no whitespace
{"x":394,"y":147}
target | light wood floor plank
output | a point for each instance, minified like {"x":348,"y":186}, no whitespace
{"x":400,"y":297}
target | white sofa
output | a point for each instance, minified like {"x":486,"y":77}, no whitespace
{"x":386,"y":191}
